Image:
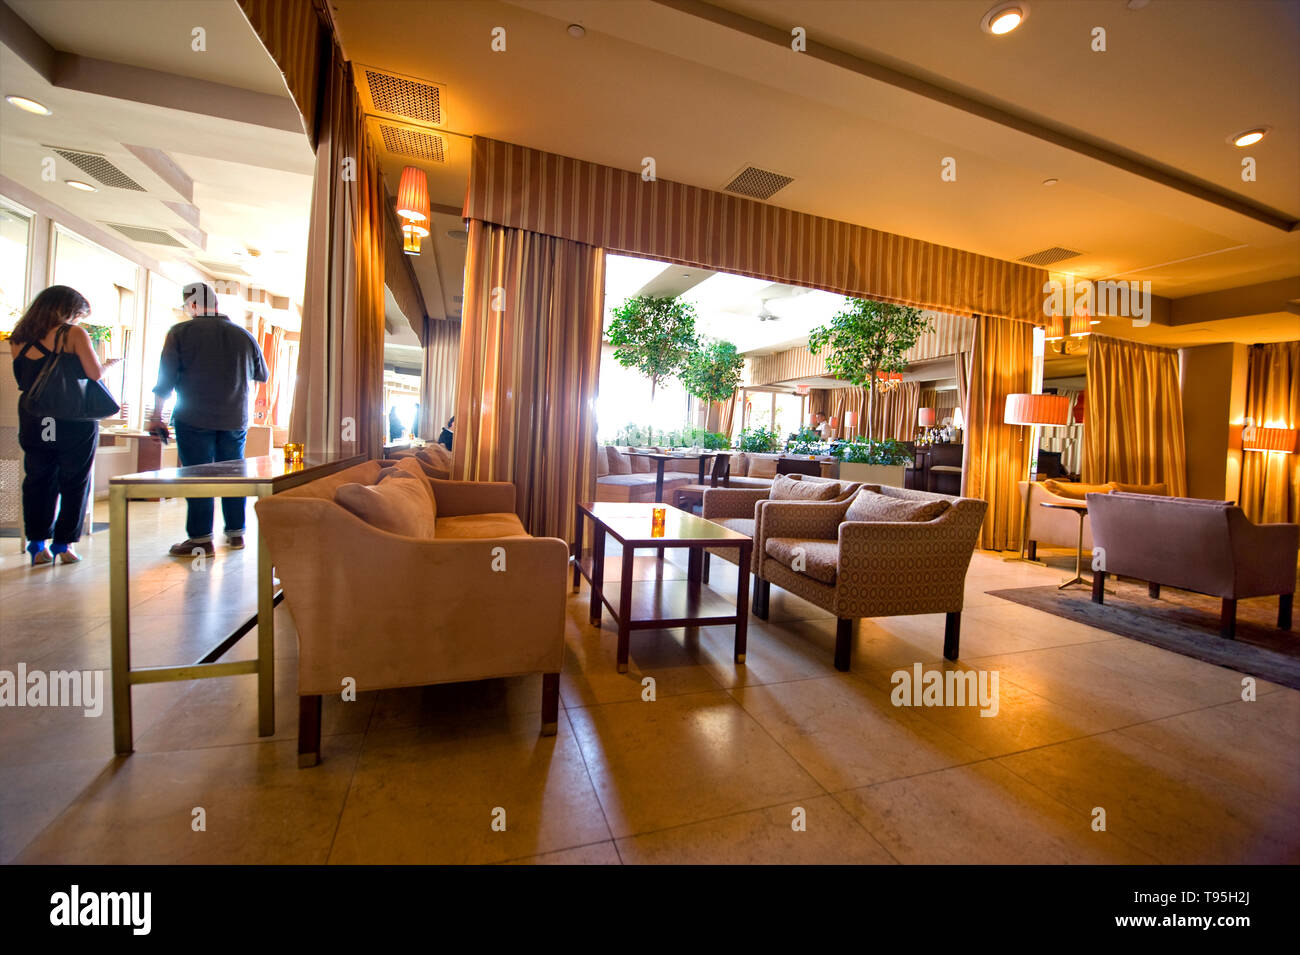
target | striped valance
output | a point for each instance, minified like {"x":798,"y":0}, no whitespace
{"x":291,"y":32}
{"x":797,"y":362}
{"x":948,"y":335}
{"x":616,"y":210}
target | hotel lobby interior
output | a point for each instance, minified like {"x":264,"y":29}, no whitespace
{"x":876,"y":433}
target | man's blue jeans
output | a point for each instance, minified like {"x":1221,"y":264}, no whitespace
{"x":203,"y":446}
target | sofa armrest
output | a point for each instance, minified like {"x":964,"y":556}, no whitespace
{"x":473,"y":497}
{"x":809,"y":520}
{"x":724,"y":502}
{"x":389,"y":610}
{"x":906,"y":567}
{"x":1264,"y":556}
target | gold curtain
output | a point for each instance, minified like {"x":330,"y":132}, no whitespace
{"x":529,"y":364}
{"x":896,"y":409}
{"x":1134,"y":427}
{"x":720,"y":415}
{"x":268,"y":392}
{"x":338,"y":400}
{"x":438,"y":375}
{"x":996,"y":454}
{"x":1270,"y":481}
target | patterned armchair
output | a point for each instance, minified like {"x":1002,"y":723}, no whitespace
{"x":868,"y":568}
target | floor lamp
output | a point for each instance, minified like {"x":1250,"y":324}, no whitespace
{"x":1035,"y":411}
{"x":1269,"y":440}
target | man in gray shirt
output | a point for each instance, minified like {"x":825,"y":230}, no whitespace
{"x":208,"y":361}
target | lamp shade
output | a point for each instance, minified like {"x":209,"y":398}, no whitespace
{"x":958,"y":419}
{"x":1268,"y":439}
{"x":851,"y":419}
{"x":801,"y":389}
{"x":925,"y":417}
{"x":1052,"y":410}
{"x":835,"y":423}
{"x":413,"y":195}
{"x":1055,"y":328}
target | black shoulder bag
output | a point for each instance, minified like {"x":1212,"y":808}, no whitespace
{"x":61,"y":391}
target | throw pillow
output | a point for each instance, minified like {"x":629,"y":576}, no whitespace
{"x":1075,"y":491}
{"x":871,"y":506}
{"x":786,"y":488}
{"x":618,"y":461}
{"x":739,"y":464}
{"x":411,"y":467}
{"x":762,"y":465}
{"x":399,"y":505}
{"x":1160,"y":490}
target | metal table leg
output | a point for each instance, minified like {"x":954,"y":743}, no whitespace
{"x":265,"y":638}
{"x":119,"y":588}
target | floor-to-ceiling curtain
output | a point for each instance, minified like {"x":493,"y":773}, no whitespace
{"x":338,"y":399}
{"x":1270,"y":481}
{"x":268,"y":392}
{"x":720,"y":415}
{"x":895,"y":415}
{"x":438,"y":376}
{"x":996,"y":453}
{"x":1134,"y":432}
{"x":528,"y":371}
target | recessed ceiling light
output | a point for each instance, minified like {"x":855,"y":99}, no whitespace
{"x":459,"y":234}
{"x":27,"y":105}
{"x":1250,"y":137}
{"x":577,"y":30}
{"x":83,"y":186}
{"x":1050,"y":182}
{"x":1004,"y":18}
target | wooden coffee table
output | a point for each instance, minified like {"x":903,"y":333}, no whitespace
{"x":658,"y":604}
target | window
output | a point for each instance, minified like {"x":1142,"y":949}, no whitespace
{"x":15,"y":244}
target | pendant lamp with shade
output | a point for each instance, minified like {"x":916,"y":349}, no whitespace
{"x":413,"y":207}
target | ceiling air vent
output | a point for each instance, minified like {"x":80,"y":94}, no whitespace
{"x":757,"y":183}
{"x":402,"y":97}
{"x":139,"y":233}
{"x":99,"y":169}
{"x":408,"y":141}
{"x":1049,"y":256}
{"x":220,"y":268}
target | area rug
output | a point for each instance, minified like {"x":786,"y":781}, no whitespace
{"x":1180,"y":621}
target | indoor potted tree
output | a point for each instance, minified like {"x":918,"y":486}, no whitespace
{"x":653,"y":336}
{"x":712,"y":370}
{"x":863,"y":342}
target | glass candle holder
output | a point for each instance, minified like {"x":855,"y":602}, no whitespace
{"x":293,"y":454}
{"x":657,"y":517}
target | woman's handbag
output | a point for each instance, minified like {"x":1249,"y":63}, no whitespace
{"x":61,"y":391}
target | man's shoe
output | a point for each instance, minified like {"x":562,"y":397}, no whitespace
{"x":186,"y":548}
{"x":235,"y":541}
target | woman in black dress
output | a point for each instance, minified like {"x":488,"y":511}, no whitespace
{"x":58,"y":455}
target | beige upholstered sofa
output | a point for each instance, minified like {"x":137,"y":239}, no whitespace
{"x":1209,"y":547}
{"x":1058,"y":527}
{"x":463,"y":593}
{"x":627,"y":477}
{"x":435,"y":460}
{"x":873,"y":568}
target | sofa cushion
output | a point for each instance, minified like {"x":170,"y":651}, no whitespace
{"x":602,"y":462}
{"x":618,"y":461}
{"x":817,"y":559}
{"x":411,"y":467}
{"x":786,"y":487}
{"x":631,"y":480}
{"x":1159,"y":490}
{"x":435,"y":455}
{"x":871,"y":506}
{"x":739,"y":464}
{"x":762,"y":465}
{"x":1073,"y":490}
{"x":399,"y":505}
{"x":642,"y":464}
{"x":471,"y":526}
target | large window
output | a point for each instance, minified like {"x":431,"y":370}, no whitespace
{"x":15,"y":243}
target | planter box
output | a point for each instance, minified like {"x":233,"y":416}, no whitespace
{"x":890,"y":475}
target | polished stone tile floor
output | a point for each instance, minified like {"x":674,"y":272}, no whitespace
{"x":687,"y":758}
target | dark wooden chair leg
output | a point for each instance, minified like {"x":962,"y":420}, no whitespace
{"x":843,"y":643}
{"x":1098,"y":586}
{"x":1284,"y":611}
{"x":704,"y":571}
{"x":550,"y":703}
{"x":1153,"y":590}
{"x":951,"y":635}
{"x":309,"y":709}
{"x":762,"y":594}
{"x":1031,"y":551}
{"x":1228,"y":619}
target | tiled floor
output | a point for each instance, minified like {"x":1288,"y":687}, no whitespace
{"x":780,"y":760}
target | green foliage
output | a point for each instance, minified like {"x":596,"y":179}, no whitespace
{"x":758,"y":440}
{"x":653,"y":336}
{"x":642,"y":436}
{"x":98,"y":333}
{"x":875,"y":452}
{"x":712,"y":370}
{"x":805,"y":441}
{"x":867,"y":338}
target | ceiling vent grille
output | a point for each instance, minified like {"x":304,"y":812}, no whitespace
{"x":757,"y":183}
{"x":403,"y":97}
{"x":220,"y":268}
{"x":405,"y":141}
{"x":137,"y":233}
{"x":1049,"y":256}
{"x":99,"y":169}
